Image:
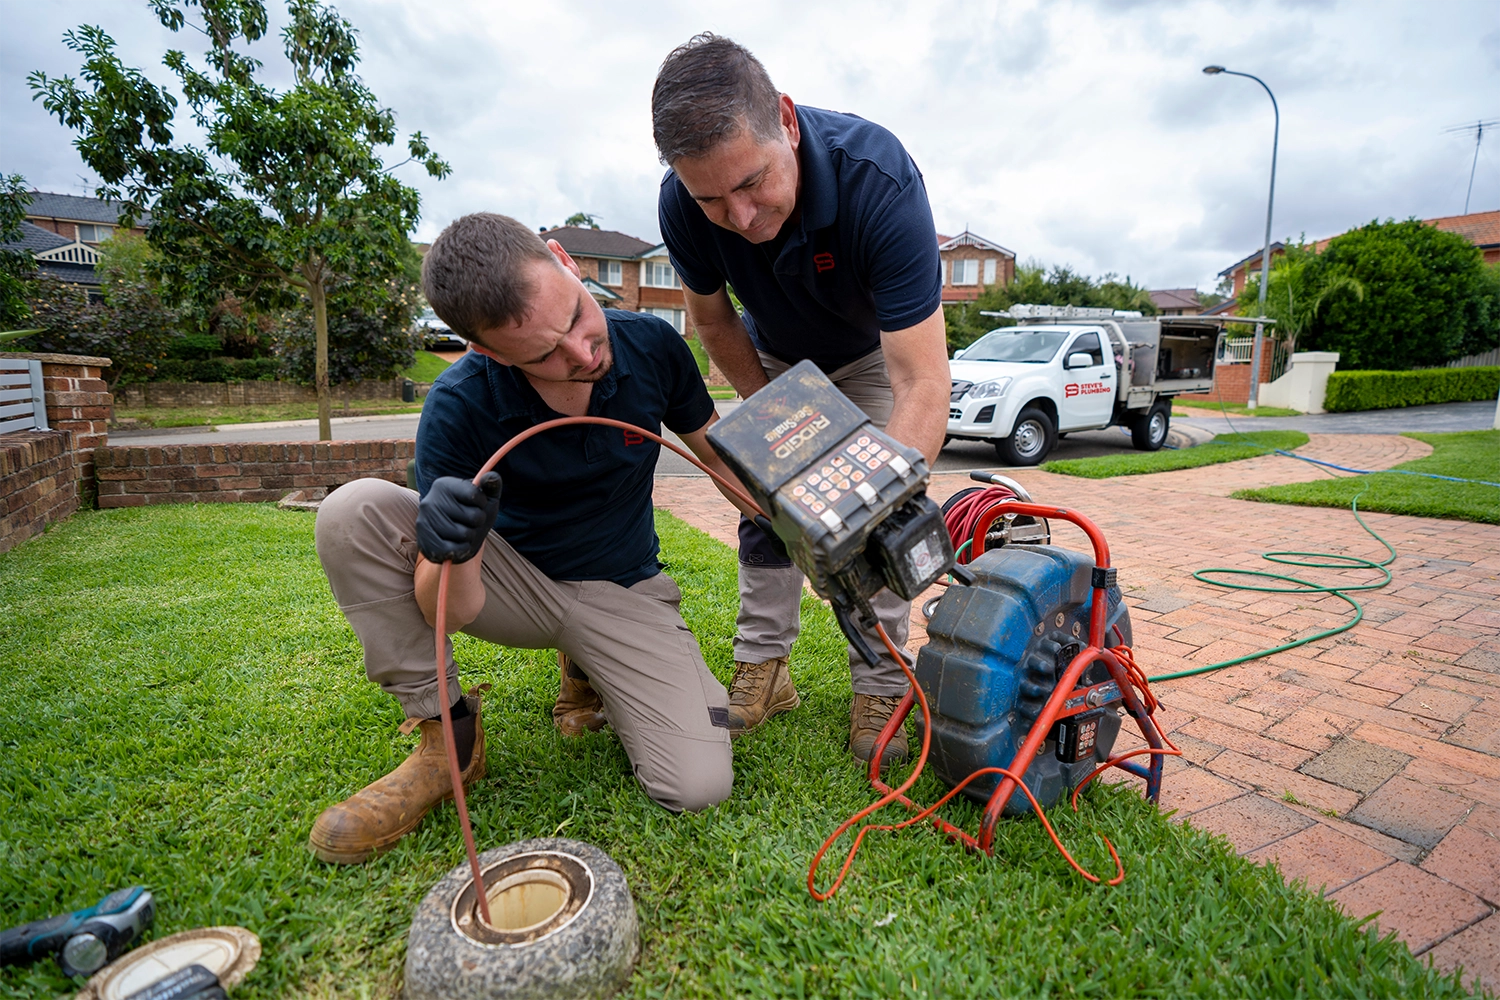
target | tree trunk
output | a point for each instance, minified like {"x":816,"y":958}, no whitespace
{"x":320,"y":370}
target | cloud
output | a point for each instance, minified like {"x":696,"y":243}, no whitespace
{"x":1071,"y":132}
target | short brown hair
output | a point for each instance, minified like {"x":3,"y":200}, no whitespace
{"x":475,"y":275}
{"x":707,"y":90}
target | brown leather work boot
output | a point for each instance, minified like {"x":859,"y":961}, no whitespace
{"x":578,"y":707}
{"x":759,"y":691}
{"x":867,"y":717}
{"x":372,"y":819}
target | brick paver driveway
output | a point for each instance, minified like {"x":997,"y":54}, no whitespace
{"x":1367,"y":764}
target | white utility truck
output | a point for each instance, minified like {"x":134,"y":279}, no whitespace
{"x":1068,"y":368}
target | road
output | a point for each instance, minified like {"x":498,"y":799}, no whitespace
{"x":959,"y":456}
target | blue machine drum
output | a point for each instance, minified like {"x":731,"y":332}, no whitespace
{"x":995,"y":653}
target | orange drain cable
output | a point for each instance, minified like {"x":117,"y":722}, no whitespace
{"x":441,"y":637}
{"x":1138,"y":680}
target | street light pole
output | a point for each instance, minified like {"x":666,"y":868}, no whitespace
{"x":1265,"y":254}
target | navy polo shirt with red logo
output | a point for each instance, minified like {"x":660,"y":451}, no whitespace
{"x":576,"y":501}
{"x":862,"y":257}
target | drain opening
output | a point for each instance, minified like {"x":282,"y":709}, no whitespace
{"x":531,"y":896}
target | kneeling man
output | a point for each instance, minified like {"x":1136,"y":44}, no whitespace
{"x":560,"y":553}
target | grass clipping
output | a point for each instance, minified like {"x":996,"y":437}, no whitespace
{"x":1223,"y":448}
{"x":1463,"y":455}
{"x":184,"y":698}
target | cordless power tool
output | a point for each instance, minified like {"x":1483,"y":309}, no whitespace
{"x":83,"y":941}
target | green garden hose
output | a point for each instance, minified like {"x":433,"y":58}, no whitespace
{"x":1307,"y":560}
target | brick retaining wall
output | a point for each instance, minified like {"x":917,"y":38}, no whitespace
{"x":252,"y":393}
{"x":38,"y":483}
{"x":131,"y":476}
{"x":1231,"y":382}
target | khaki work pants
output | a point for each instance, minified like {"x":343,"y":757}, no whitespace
{"x":771,"y":585}
{"x":668,"y":710}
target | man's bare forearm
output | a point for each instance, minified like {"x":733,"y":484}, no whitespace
{"x":728,"y":344}
{"x":465,"y":591}
{"x":917,"y":359}
{"x":919,"y":416}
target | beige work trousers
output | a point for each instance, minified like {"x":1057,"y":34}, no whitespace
{"x":770,"y":614}
{"x":668,"y":710}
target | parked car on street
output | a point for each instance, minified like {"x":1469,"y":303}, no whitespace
{"x":1073,"y":369}
{"x":436,"y":335}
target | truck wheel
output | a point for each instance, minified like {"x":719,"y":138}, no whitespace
{"x":1149,"y":433}
{"x":1029,"y":441}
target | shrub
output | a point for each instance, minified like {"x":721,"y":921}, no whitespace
{"x":1385,"y":390}
{"x":132,"y":329}
{"x":1426,"y":298}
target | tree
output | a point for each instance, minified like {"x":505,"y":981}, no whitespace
{"x":1298,"y":291}
{"x":291,"y":193}
{"x":1427,"y":297}
{"x":1034,"y":284}
{"x":16,"y":266}
{"x":582,"y":219}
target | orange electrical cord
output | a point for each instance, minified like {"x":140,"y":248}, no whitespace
{"x":972,"y":516}
{"x":441,"y":613}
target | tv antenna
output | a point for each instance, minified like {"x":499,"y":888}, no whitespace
{"x":1477,"y":129}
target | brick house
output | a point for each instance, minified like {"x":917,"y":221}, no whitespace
{"x":90,"y":221}
{"x":1176,"y":301}
{"x":623,"y":272}
{"x":972,"y":263}
{"x":63,"y":232}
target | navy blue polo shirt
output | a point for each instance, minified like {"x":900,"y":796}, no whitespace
{"x":862,"y":258}
{"x":576,"y":501}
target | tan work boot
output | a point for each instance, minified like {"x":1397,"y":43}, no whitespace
{"x":578,"y":707}
{"x":759,"y":691}
{"x":867,"y":717}
{"x":371,"y":820}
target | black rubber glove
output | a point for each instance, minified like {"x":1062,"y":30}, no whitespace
{"x":764,"y":524}
{"x":455,"y":516}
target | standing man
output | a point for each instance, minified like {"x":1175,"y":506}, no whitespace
{"x":819,"y":222}
{"x":557,"y":551}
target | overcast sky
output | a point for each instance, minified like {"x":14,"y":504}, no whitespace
{"x":1079,"y":133}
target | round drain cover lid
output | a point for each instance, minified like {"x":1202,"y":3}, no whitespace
{"x":228,"y":952}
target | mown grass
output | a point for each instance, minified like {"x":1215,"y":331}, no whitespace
{"x":1202,"y":408}
{"x":182,"y":698}
{"x":1463,"y":454}
{"x":1223,"y":448}
{"x":426,"y":368}
{"x":199,"y":416}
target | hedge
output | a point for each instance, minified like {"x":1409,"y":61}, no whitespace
{"x":1361,"y":390}
{"x":217,"y":370}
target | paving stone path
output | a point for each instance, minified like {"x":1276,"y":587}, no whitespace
{"x":1366,"y":765}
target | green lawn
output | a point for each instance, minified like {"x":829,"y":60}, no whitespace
{"x":1202,"y":408}
{"x":1465,"y":455}
{"x":182,"y":698}
{"x":1223,"y":448}
{"x":428,"y":367}
{"x":199,"y":416}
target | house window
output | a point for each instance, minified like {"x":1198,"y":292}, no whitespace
{"x":989,"y":271}
{"x":609,"y":272}
{"x":94,"y":234}
{"x":655,"y":274}
{"x":677,"y":317}
{"x":966,"y":272}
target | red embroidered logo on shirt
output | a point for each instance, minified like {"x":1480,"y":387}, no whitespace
{"x":823,"y":262}
{"x":631,"y":437}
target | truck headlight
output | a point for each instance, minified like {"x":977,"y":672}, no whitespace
{"x":990,"y":390}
